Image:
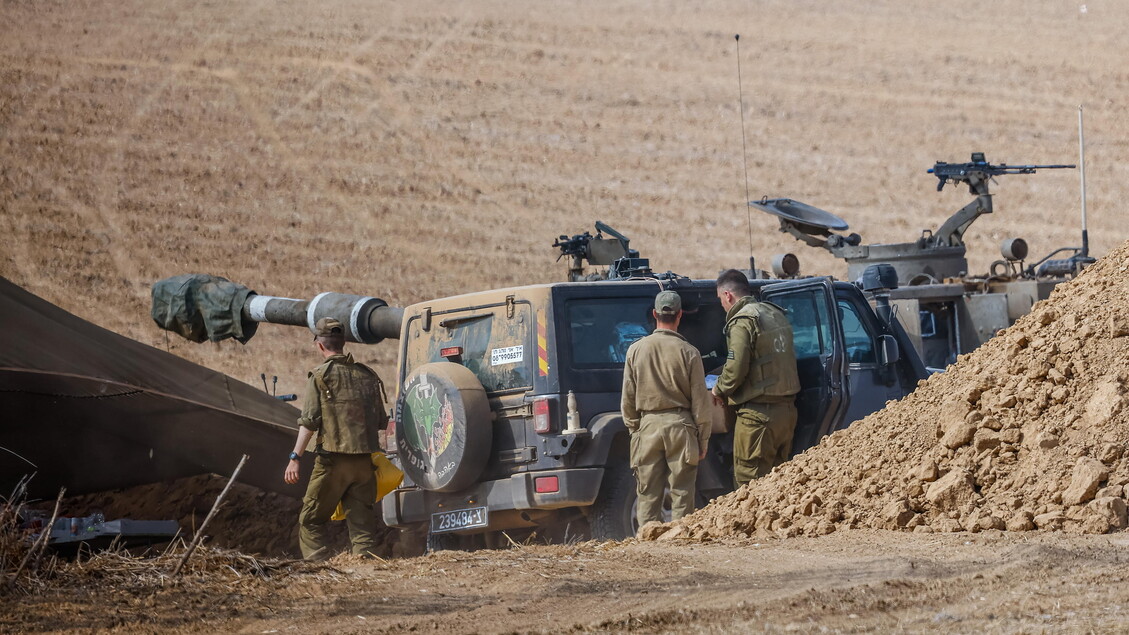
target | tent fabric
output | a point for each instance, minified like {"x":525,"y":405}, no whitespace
{"x":91,"y":410}
{"x":201,"y":307}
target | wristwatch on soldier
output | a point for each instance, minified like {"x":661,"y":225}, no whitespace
{"x":294,"y":456}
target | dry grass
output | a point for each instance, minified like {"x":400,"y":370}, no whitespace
{"x":414,"y":150}
{"x":21,"y":556}
{"x":28,"y":566}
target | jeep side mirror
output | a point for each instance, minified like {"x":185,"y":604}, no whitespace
{"x":888,"y":351}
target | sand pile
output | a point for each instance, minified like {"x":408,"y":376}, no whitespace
{"x":1031,"y":431}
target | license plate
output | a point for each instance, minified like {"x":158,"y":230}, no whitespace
{"x":458,"y":519}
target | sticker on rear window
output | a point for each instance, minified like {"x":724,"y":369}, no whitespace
{"x":508,"y":355}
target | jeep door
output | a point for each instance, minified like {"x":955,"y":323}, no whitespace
{"x":871,"y":383}
{"x":818,"y":340}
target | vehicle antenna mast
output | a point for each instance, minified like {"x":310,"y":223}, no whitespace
{"x":744,"y":150}
{"x":1082,"y":175}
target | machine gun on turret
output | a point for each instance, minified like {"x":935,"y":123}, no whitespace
{"x":978,"y":170}
{"x":976,"y":174}
{"x":614,"y":253}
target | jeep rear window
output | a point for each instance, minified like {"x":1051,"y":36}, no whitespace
{"x":496,"y":348}
{"x":601,"y":330}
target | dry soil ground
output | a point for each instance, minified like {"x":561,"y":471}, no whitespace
{"x":848,"y":582}
{"x":410,"y":150}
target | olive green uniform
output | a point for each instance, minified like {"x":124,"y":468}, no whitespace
{"x":760,"y":382}
{"x":343,"y":404}
{"x":665,"y":406}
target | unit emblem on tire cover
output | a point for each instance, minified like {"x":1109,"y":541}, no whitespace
{"x":443,"y":426}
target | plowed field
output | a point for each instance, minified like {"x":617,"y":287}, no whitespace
{"x":415,"y":150}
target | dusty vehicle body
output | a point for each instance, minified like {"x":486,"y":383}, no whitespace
{"x":946,"y":311}
{"x":507,"y":401}
{"x":561,"y":367}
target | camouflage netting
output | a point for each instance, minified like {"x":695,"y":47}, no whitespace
{"x":1028,"y":432}
{"x":200,"y":307}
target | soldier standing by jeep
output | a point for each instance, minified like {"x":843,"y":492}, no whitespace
{"x":665,"y":407}
{"x":343,"y":406}
{"x":759,"y":379}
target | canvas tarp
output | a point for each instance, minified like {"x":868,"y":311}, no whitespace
{"x":88,"y":409}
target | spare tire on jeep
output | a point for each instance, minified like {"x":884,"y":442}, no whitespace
{"x":443,"y":427}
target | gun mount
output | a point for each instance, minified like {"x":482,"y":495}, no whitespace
{"x":615,"y":253}
{"x":955,"y":312}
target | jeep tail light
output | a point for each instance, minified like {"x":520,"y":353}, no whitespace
{"x":451,"y":353}
{"x":542,"y":421}
{"x":546,"y":484}
{"x":390,"y":444}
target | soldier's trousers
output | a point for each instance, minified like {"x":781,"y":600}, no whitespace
{"x":339,"y":478}
{"x":762,"y":438}
{"x":664,"y":452}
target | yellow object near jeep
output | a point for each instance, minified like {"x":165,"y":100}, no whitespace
{"x":388,"y":478}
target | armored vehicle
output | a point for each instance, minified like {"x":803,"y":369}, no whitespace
{"x":946,"y":311}
{"x":507,"y":401}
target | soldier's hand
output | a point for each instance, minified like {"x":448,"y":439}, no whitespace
{"x":291,"y":473}
{"x":717,"y":401}
{"x":702,"y":455}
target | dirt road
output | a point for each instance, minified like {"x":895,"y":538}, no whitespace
{"x":850,"y":581}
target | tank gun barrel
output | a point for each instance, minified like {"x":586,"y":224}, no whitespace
{"x":367,"y":320}
{"x":201,"y":307}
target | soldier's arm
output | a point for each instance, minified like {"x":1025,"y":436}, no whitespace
{"x":700,"y":400}
{"x":627,"y":400}
{"x":311,"y":413}
{"x":311,"y":406}
{"x":290,"y":474}
{"x":741,"y":339}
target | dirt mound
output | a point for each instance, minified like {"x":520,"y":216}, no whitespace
{"x":1028,"y":432}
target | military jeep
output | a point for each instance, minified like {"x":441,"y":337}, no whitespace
{"x":507,"y":413}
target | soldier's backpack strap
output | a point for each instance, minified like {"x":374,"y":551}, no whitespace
{"x":780,"y":308}
{"x":319,"y":377}
{"x":383,"y":395}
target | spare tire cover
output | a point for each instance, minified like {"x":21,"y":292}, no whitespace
{"x":443,"y":427}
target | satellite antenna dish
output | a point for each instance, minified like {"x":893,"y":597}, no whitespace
{"x":800,"y":214}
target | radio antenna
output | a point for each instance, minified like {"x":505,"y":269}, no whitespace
{"x":1082,"y":174}
{"x":744,"y":151}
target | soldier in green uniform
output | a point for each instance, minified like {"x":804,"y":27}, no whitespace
{"x":759,"y":379}
{"x":666,"y":407}
{"x":343,"y":405}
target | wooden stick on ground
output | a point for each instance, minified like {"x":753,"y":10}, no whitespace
{"x":200,"y":532}
{"x":41,"y":542}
